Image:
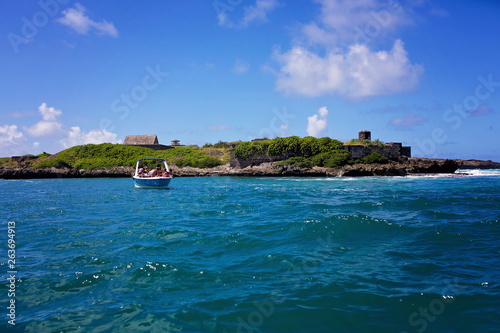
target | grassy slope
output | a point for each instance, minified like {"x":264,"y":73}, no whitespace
{"x":109,"y":155}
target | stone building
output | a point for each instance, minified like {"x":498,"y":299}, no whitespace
{"x":391,"y":150}
{"x":365,"y":135}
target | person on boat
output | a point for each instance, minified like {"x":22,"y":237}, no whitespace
{"x":146,"y":171}
{"x":143,"y":172}
{"x":158,"y":172}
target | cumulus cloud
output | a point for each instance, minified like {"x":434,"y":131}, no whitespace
{"x":355,"y":21}
{"x":335,"y":54}
{"x":77,"y":137}
{"x":76,"y":19}
{"x":14,"y":142}
{"x":317,"y":124}
{"x":11,"y":140}
{"x":44,"y":129}
{"x":48,"y":113}
{"x":409,"y":120}
{"x":255,"y":13}
{"x":358,"y":73}
{"x":48,"y":126}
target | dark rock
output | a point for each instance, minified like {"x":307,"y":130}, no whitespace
{"x":269,"y":169}
{"x":477,"y":164}
{"x":28,"y":173}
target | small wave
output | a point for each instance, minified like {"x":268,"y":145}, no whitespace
{"x":478,"y":172}
{"x":436,"y":175}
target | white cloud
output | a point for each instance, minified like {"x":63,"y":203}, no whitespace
{"x":357,"y":73}
{"x":255,"y":13}
{"x":11,"y":140}
{"x":76,"y":19}
{"x":77,"y":137}
{"x":44,"y":129}
{"x":344,"y":62}
{"x":317,"y":124}
{"x":14,"y":142}
{"x":48,"y":114}
{"x":355,"y":21}
{"x":47,"y":127}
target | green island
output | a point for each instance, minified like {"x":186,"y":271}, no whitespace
{"x":289,"y":156}
{"x":308,"y":151}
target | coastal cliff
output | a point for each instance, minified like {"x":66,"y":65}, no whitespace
{"x":271,"y":169}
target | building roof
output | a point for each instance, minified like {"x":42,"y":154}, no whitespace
{"x":136,"y":140}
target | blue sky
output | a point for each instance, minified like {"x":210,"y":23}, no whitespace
{"x":422,"y":72}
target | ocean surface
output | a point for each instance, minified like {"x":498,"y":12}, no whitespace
{"x":227,"y":254}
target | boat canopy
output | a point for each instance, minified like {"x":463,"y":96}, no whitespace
{"x":151,"y":159}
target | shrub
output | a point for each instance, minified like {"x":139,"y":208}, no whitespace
{"x":375,"y":158}
{"x":326,"y":145}
{"x":245,"y":150}
{"x":284,"y":146}
{"x":221,"y":144}
{"x":43,"y":155}
{"x":297,"y":161}
{"x":332,"y":159}
{"x":309,"y":146}
{"x":366,"y":143}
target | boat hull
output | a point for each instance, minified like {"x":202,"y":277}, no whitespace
{"x":154,"y":182}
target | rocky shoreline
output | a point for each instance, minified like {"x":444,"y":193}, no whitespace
{"x":404,"y":167}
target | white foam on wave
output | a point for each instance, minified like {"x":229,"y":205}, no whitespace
{"x":479,"y":172}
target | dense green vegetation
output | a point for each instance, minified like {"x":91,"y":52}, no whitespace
{"x":302,"y":152}
{"x":297,"y":161}
{"x":366,"y":143}
{"x":109,"y":155}
{"x":374,"y":158}
{"x":290,"y":146}
{"x":221,"y":144}
{"x":308,"y":151}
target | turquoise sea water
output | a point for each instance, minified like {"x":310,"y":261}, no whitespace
{"x":228,"y":254}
